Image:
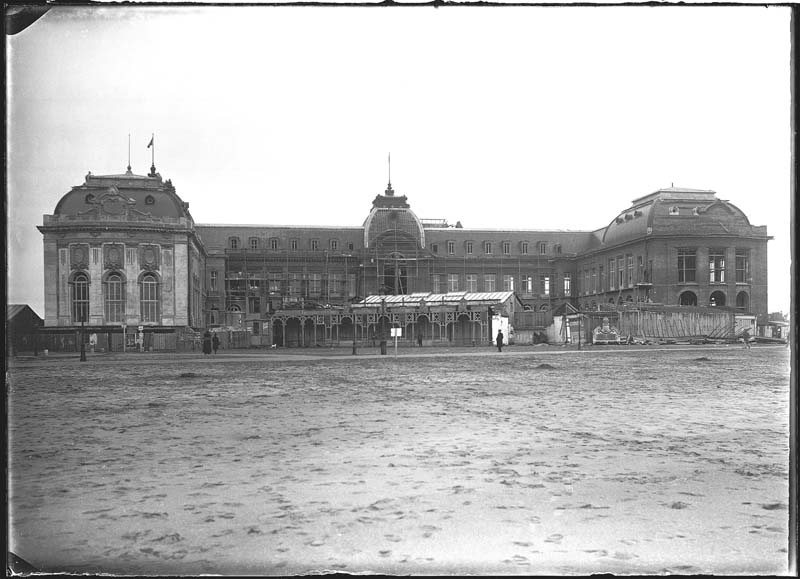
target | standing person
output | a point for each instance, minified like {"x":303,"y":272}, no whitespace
{"x":746,"y":338}
{"x":207,"y":343}
{"x":499,"y":340}
{"x":419,"y":340}
{"x":215,"y":343}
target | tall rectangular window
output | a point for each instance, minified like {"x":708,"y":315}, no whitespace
{"x":687,"y":266}
{"x":585,"y":288}
{"x":640,"y":269}
{"x":293,"y":244}
{"x":149,"y":298}
{"x":508,"y":283}
{"x":315,"y":244}
{"x":451,"y":247}
{"x":469,"y":248}
{"x":213,"y":287}
{"x":742,"y":266}
{"x":527,"y":284}
{"x":716,"y":266}
{"x":523,"y":248}
{"x":612,"y":274}
{"x":594,"y":280}
{"x":601,"y":279}
{"x":542,"y":248}
{"x":254,"y":304}
{"x":275,"y":283}
{"x":546,"y":285}
{"x":567,"y":285}
{"x":472,"y":282}
{"x":351,"y":285}
{"x":489,"y":283}
{"x":487,"y":247}
{"x":295,"y":285}
{"x":620,"y":272}
{"x":506,"y":247}
{"x":314,"y":285}
{"x":630,"y":270}
{"x":452,"y":282}
{"x":436,"y":283}
{"x":273,"y":243}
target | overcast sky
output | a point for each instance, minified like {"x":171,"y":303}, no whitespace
{"x":503,"y":117}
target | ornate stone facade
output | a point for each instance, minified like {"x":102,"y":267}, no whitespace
{"x":674,"y":246}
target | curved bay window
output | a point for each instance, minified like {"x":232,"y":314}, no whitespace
{"x":80,"y":298}
{"x":114,"y":297}
{"x":149,"y":298}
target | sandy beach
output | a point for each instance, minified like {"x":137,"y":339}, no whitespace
{"x":529,"y":461}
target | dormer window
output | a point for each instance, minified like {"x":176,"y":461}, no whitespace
{"x":695,"y":211}
{"x":149,"y":200}
{"x":673,"y":210}
{"x":89,"y":198}
{"x":233,"y":243}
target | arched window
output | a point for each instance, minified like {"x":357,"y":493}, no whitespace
{"x":742,"y":301}
{"x":114,"y":290}
{"x":717,"y":298}
{"x":688,"y":298}
{"x":80,"y":298}
{"x":149,"y":298}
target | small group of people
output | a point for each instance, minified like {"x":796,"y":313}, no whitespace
{"x":210,"y":343}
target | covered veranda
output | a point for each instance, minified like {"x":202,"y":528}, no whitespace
{"x":455,"y":318}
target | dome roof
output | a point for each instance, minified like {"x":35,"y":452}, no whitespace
{"x":675,"y":211}
{"x":124,"y":195}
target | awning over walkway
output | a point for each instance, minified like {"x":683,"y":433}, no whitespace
{"x":417,"y":300}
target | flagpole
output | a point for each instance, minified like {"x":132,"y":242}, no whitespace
{"x":153,"y":155}
{"x":129,"y":152}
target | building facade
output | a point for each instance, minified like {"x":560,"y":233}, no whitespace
{"x":122,"y":251}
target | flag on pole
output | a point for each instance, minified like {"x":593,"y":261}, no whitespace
{"x":150,"y":144}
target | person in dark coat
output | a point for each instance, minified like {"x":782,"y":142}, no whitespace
{"x":215,"y":343}
{"x":207,"y":342}
{"x":499,"y":340}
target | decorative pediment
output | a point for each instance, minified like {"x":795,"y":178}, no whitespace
{"x":79,"y":256}
{"x":111,"y":203}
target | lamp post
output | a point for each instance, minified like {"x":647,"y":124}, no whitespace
{"x":83,"y":339}
{"x":352,"y":313}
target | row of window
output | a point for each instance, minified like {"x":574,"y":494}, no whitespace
{"x":274,"y":243}
{"x":488,"y":247}
{"x":528,"y":284}
{"x":114,"y":298}
{"x":687,"y":266}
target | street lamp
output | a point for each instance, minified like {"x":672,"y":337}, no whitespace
{"x":83,"y":338}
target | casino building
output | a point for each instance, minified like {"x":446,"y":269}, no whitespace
{"x":124,"y":259}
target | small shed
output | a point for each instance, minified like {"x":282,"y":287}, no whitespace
{"x":22,"y":324}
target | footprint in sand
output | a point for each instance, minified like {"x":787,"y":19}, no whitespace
{"x":429,"y":530}
{"x":554,"y":538}
{"x":385,"y":553}
{"x":393,"y":538}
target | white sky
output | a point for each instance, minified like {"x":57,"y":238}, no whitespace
{"x":517,"y":117}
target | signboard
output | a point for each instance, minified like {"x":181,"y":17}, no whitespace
{"x":397,"y":332}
